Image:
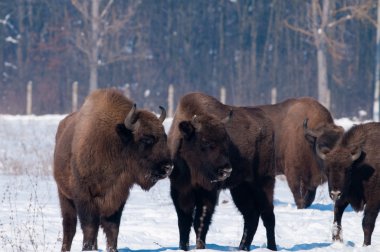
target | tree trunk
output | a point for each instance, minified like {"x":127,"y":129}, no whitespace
{"x":321,"y":44}
{"x":376,"y":105}
{"x":94,"y":49}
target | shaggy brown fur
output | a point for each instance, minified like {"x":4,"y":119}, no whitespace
{"x":205,"y":143}
{"x":353,"y":171}
{"x":294,"y":155}
{"x":101,"y":152}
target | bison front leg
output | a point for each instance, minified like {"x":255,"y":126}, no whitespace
{"x":184,"y":205}
{"x":337,"y":225}
{"x":111,"y":226}
{"x":205,"y":206}
{"x":90,"y":221}
{"x":69,"y":222}
{"x":368,"y":224}
{"x":243,"y":199}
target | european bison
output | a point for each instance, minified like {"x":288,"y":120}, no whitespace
{"x":101,"y":152}
{"x":294,"y":156}
{"x":213,"y":147}
{"x":353,"y":174}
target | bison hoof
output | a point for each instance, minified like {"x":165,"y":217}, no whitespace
{"x":244,"y":247}
{"x":272,"y":247}
{"x":337,"y":233}
{"x":337,"y":238}
{"x":112,"y":250}
{"x":200,"y":244}
{"x":184,"y":247}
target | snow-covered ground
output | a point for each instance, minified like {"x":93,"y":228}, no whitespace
{"x":30,"y":216}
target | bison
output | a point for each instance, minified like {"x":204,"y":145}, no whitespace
{"x":213,"y":147}
{"x":101,"y":151}
{"x":294,"y":156}
{"x":352,"y":167}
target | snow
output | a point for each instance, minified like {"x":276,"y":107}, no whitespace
{"x":30,"y":215}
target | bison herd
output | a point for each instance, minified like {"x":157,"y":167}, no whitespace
{"x":109,"y":145}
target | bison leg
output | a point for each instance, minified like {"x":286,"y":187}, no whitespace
{"x":242,"y":197}
{"x":300,"y":193}
{"x":184,"y":205}
{"x":368,"y":224}
{"x":205,"y":206}
{"x":90,"y":221}
{"x":111,"y":226}
{"x":265,"y":202}
{"x":309,"y":197}
{"x":69,"y":222}
{"x":337,"y":226}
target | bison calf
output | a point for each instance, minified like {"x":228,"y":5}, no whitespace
{"x":353,"y":174}
{"x":101,"y":151}
{"x":212,"y":150}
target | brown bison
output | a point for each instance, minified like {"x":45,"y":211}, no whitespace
{"x":294,"y":156}
{"x":213,"y":147}
{"x":101,"y":152}
{"x":353,"y":174}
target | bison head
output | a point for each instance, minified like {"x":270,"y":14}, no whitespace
{"x":338,"y":164}
{"x":145,"y":146}
{"x":323,"y":137}
{"x":205,"y":148}
{"x":337,"y":158}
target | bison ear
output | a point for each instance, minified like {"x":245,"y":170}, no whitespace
{"x":187,"y":129}
{"x":124,"y":133}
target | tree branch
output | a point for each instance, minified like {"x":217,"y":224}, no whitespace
{"x":81,"y":8}
{"x":298,"y":29}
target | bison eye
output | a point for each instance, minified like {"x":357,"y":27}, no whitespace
{"x":147,"y":140}
{"x":208,"y":145}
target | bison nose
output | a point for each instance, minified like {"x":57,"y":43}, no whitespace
{"x":335,"y":195}
{"x":224,"y":173}
{"x":168,"y":168}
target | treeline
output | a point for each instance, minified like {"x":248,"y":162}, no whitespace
{"x":248,"y":47}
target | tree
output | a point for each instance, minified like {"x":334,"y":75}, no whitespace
{"x":98,"y":25}
{"x":323,"y":19}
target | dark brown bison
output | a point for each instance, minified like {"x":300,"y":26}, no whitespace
{"x":213,"y":147}
{"x":101,"y":152}
{"x":353,"y":174}
{"x":294,"y":156}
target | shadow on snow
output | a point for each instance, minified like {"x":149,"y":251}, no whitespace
{"x":315,"y":206}
{"x":208,"y":246}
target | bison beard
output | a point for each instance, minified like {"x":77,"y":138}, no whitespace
{"x":101,"y":151}
{"x":203,"y":149}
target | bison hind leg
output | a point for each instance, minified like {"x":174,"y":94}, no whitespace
{"x":309,"y":197}
{"x":69,"y":222}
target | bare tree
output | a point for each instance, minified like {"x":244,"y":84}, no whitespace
{"x":322,"y":20}
{"x":98,"y":25}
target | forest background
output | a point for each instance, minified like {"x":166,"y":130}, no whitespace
{"x":326,"y":49}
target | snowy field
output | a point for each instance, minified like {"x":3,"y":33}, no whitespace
{"x":30,"y":216}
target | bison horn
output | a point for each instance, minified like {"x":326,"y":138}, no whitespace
{"x":356,"y":154}
{"x":228,"y":117}
{"x":163,"y":114}
{"x":131,"y":117}
{"x":319,"y":152}
{"x":196,"y":123}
